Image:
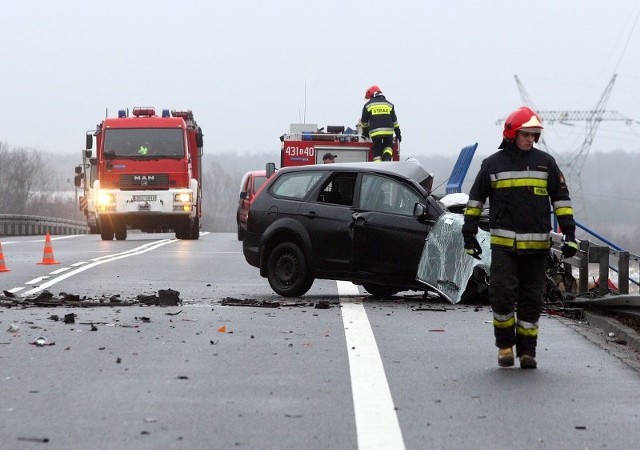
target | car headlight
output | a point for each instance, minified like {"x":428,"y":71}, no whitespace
{"x":183,"y":197}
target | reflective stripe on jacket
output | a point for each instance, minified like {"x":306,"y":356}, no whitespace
{"x":379,"y":117}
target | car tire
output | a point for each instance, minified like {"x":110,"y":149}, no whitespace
{"x":381,"y":291}
{"x":287,"y":271}
{"x":241,"y":233}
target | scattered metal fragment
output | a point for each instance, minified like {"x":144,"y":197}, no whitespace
{"x":143,"y":319}
{"x":173,"y":314}
{"x":9,"y":294}
{"x":54,"y":317}
{"x":430,"y":309}
{"x":70,"y":318}
{"x":322,"y":304}
{"x":32,"y":439}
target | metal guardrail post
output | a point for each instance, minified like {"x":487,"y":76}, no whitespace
{"x":603,"y":273}
{"x":583,"y":270}
{"x":623,"y":272}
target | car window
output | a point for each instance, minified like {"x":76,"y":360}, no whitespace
{"x":295,"y":185}
{"x":258,"y":182}
{"x":338,"y":189}
{"x":387,"y":195}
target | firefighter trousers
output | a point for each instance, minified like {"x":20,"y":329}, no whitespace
{"x":516,"y":295}
{"x":382,"y":147}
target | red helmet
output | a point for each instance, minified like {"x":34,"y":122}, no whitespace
{"x":524,"y":119}
{"x":372,"y":91}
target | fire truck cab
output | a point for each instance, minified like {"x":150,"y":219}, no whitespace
{"x":306,"y":144}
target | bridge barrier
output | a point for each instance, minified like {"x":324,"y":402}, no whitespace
{"x":25,"y":225}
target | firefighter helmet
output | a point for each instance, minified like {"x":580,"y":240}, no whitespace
{"x":524,"y":119}
{"x":372,"y":91}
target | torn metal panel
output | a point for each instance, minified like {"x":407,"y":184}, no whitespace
{"x":444,"y":265}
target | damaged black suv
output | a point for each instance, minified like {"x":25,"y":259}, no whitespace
{"x":359,"y":222}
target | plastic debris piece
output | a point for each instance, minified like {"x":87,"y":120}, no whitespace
{"x":168,"y":297}
{"x":70,"y":318}
{"x":41,"y":341}
{"x":13,"y":328}
{"x":222,"y":329}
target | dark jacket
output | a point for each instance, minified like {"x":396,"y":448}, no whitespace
{"x":519,"y":185}
{"x":379,"y":118}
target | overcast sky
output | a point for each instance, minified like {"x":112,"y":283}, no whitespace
{"x":248,"y":69}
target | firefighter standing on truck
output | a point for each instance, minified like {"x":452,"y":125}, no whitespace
{"x":519,"y":181}
{"x":379,"y":122}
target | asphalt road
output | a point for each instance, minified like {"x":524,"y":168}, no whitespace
{"x":391,"y":374}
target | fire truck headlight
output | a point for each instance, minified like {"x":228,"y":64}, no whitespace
{"x":105,"y":199}
{"x":183,"y":197}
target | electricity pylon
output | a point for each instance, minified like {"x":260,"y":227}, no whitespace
{"x":573,"y":164}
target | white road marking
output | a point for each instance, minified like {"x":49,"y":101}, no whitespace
{"x":37,"y":280}
{"x":62,"y":269}
{"x":101,"y":260}
{"x":377,"y":425}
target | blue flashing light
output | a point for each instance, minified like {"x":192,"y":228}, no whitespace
{"x":165,"y":113}
{"x":122,"y":113}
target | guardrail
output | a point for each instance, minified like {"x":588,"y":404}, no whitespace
{"x":608,"y":258}
{"x":24,"y":225}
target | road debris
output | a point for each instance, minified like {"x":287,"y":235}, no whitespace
{"x":41,"y":341}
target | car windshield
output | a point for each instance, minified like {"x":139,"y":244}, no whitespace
{"x":295,"y":185}
{"x":144,"y":143}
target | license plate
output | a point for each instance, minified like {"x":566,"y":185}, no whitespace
{"x":144,"y":198}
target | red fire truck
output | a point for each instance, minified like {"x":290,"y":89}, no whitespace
{"x":306,"y":144}
{"x":146,"y":174}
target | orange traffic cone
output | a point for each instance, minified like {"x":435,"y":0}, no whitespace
{"x":3,"y":266}
{"x":47,"y":257}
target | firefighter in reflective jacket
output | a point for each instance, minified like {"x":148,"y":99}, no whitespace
{"x":379,"y":122}
{"x":522,"y":183}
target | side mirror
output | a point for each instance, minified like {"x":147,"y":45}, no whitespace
{"x":271,"y":169}
{"x":87,"y":153}
{"x":77,"y":180}
{"x":419,"y":210}
{"x":89,"y":143}
{"x":78,"y":170}
{"x":199,"y":140}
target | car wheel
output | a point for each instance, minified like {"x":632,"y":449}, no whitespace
{"x":380,"y":291}
{"x":241,"y":232}
{"x":287,"y":271}
{"x":106,"y":231}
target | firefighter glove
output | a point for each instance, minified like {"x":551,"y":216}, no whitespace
{"x":569,"y":246}
{"x":471,"y":246}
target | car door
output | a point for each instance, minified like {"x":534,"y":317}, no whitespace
{"x":329,"y":222}
{"x":388,"y":239}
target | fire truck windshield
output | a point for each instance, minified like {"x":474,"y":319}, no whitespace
{"x":144,"y":142}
